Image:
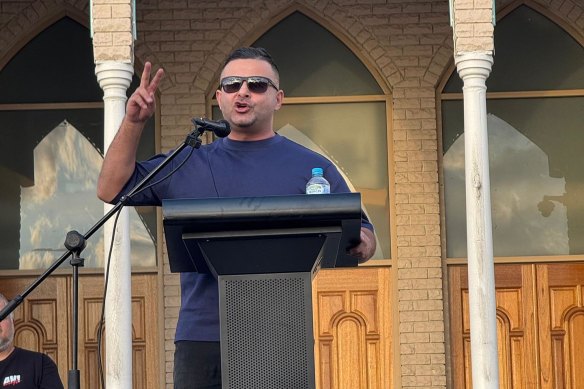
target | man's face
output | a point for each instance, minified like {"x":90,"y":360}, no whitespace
{"x":6,"y":331}
{"x":250,"y":114}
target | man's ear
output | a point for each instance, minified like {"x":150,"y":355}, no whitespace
{"x":217,"y":97}
{"x":279,"y":99}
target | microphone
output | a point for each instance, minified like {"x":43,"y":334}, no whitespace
{"x":220,"y":128}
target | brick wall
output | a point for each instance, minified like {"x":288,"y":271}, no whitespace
{"x":473,"y":26}
{"x":112,"y":31}
{"x":408,"y":42}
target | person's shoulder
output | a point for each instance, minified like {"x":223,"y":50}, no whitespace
{"x":28,"y":354}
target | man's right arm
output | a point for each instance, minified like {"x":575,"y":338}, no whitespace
{"x":120,"y":159}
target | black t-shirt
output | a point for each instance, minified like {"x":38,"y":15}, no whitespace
{"x":24,"y":369}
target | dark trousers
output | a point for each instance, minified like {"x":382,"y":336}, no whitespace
{"x":197,"y":365}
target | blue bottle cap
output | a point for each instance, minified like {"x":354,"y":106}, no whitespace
{"x":317,"y":171}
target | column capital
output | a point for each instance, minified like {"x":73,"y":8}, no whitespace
{"x":473,"y":65}
{"x":114,"y":77}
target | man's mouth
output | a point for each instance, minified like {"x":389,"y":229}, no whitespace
{"x":241,"y":107}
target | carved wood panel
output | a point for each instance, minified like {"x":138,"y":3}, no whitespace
{"x":561,"y":313}
{"x":43,"y":323}
{"x":540,"y":325}
{"x":352,"y":325}
{"x":516,"y":327}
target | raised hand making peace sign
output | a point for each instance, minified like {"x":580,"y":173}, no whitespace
{"x":141,"y":104}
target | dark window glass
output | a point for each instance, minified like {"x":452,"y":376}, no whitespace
{"x":313,"y":62}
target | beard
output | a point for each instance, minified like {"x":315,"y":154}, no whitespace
{"x":6,"y":340}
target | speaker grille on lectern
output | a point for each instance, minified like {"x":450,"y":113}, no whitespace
{"x":267,"y":331}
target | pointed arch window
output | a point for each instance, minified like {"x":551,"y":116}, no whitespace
{"x":535,"y":100}
{"x":51,"y":148}
{"x":334,"y":106}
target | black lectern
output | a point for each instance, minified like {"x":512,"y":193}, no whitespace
{"x":264,"y":252}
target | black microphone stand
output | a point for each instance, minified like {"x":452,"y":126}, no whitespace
{"x":75,"y":243}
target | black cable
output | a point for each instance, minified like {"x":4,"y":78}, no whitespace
{"x":168,"y":175}
{"x":102,"y":318}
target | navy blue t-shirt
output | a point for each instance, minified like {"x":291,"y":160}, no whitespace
{"x":25,"y":369}
{"x":227,"y":168}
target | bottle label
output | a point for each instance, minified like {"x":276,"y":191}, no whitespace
{"x":317,"y":189}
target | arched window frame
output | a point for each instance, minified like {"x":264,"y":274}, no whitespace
{"x":66,"y":11}
{"x":385,"y":97}
{"x":442,"y":96}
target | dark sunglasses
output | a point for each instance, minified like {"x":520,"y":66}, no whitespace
{"x":256,"y":84}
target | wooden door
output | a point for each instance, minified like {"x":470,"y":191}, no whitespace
{"x":43,"y":323}
{"x":540,"y":325}
{"x":352,"y":326}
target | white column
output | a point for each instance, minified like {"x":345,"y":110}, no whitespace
{"x":115,"y":78}
{"x":474,"y":68}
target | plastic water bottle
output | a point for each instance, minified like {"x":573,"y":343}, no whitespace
{"x":317,"y":184}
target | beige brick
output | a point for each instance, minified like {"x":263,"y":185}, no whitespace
{"x":435,"y":273}
{"x":102,"y":11}
{"x":430,"y":348}
{"x":416,"y":359}
{"x":407,"y":124}
{"x":431,"y":208}
{"x":414,"y":295}
{"x":436,"y":337}
{"x":405,"y":285}
{"x":414,"y":337}
{"x":429,"y":166}
{"x":421,"y":113}
{"x":429,"y":326}
{"x":121,"y":11}
{"x":428,"y":263}
{"x":414,"y":316}
{"x":406,"y":306}
{"x":483,"y":29}
{"x":431,"y":283}
{"x":431,"y":187}
{"x":483,"y":4}
{"x":410,"y":252}
{"x":413,"y":273}
{"x":112,"y":53}
{"x":401,"y":220}
{"x":430,"y":370}
{"x":425,"y":240}
{"x":421,"y":156}
{"x":409,"y":188}
{"x":464,"y":4}
{"x":102,"y":39}
{"x":401,"y":198}
{"x":122,"y":38}
{"x":407,"y":145}
{"x":411,"y":230}
{"x":472,"y":16}
{"x":435,"y":294}
{"x":113,"y":24}
{"x":428,"y":305}
{"x":423,"y":177}
{"x":410,"y":209}
{"x":429,"y":144}
{"x":435,"y":315}
{"x":423,"y":198}
{"x":476,"y":44}
{"x":406,"y":349}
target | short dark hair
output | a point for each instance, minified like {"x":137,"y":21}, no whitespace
{"x":252,"y":53}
